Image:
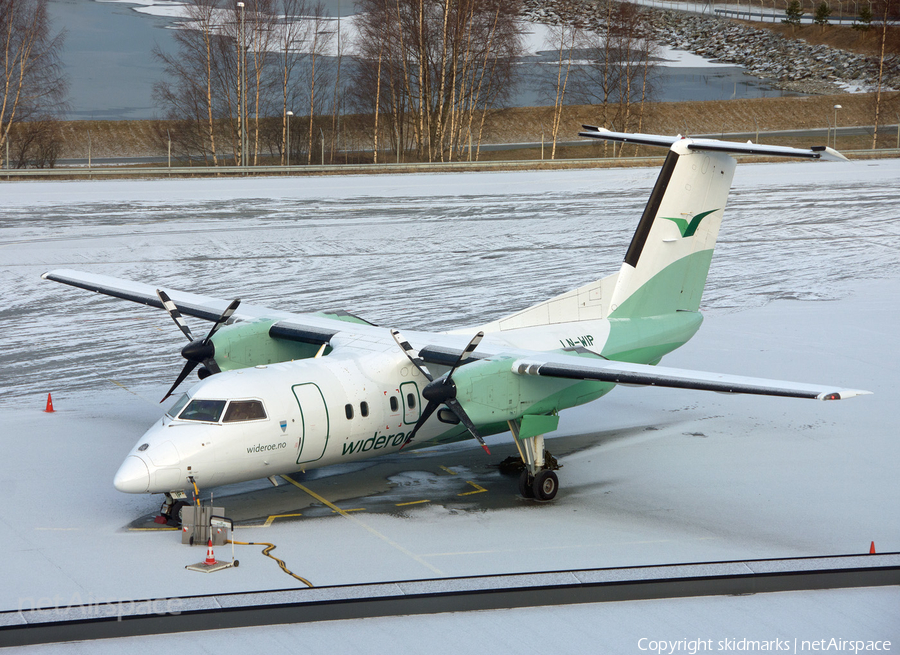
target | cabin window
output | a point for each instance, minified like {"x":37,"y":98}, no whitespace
{"x":411,"y":400}
{"x":244,"y":410}
{"x":348,"y":410}
{"x":446,"y":416}
{"x":394,"y":404}
{"x":179,"y":405}
{"x":203,"y":410}
{"x":364,"y":408}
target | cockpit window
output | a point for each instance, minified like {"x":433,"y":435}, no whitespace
{"x":179,"y":405}
{"x":203,"y":410}
{"x":244,"y":410}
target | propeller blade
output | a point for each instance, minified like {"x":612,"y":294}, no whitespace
{"x":429,"y":410}
{"x":454,"y":406}
{"x":413,"y":355}
{"x":198,"y":351}
{"x":172,"y":309}
{"x":442,"y":390}
{"x":223,"y":318}
{"x":188,"y":367}
{"x":465,"y":354}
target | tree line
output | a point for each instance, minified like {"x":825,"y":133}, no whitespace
{"x":426,"y":72}
{"x":273,"y":80}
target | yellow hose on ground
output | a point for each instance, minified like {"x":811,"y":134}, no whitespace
{"x":267,"y":552}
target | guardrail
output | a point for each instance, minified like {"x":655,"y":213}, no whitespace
{"x":332,"y":169}
{"x":361,"y":169}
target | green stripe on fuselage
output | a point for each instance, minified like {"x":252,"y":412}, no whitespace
{"x":676,"y":288}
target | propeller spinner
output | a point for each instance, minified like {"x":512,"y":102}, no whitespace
{"x":440,"y":391}
{"x":198,"y":351}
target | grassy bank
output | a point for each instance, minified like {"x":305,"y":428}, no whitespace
{"x":524,"y":124}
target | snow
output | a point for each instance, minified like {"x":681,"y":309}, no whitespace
{"x":537,"y":38}
{"x":804,"y":286}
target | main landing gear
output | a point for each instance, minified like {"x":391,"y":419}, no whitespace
{"x":538,"y":480}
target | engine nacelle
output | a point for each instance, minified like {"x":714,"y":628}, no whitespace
{"x":491,"y":393}
{"x":248,"y":343}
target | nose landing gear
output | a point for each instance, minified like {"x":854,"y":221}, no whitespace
{"x":170,"y":510}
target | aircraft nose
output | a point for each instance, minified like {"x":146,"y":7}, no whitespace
{"x":133,"y":477}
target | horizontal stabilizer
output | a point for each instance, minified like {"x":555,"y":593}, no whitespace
{"x":715,"y":145}
{"x":659,"y":376}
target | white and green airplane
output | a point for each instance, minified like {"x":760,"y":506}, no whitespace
{"x":284,"y":392}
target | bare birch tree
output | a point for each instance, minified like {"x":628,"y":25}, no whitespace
{"x":292,"y":36}
{"x":887,"y":13}
{"x":189,"y":93}
{"x":618,"y":66}
{"x":33,"y":87}
{"x":442,"y":61}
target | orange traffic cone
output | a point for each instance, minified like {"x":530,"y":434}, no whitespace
{"x":210,"y":558}
{"x":49,"y":408}
{"x":872,"y":549}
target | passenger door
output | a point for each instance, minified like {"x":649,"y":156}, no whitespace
{"x":409,"y":396}
{"x":316,"y":427}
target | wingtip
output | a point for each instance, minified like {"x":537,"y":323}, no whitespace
{"x":843,"y":394}
{"x":833,"y":155}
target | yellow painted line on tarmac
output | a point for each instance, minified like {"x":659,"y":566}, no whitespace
{"x":122,"y":386}
{"x":412,"y":502}
{"x":370,"y":529}
{"x":451,"y":472}
{"x":355,"y":509}
{"x":478,"y":489}
{"x":272,"y":518}
{"x":560,"y":547}
{"x":152,"y":529}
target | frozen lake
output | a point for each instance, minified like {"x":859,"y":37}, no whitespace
{"x":108,"y":59}
{"x":804,"y":286}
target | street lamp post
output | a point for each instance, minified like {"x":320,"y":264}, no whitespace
{"x":287,"y":147}
{"x":836,"y":107}
{"x":542,"y":140}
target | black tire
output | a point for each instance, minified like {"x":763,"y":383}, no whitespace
{"x":525,"y":485}
{"x":545,"y":485}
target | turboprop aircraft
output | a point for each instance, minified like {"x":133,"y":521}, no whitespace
{"x":284,"y":392}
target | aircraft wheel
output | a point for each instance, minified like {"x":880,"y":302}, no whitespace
{"x":545,"y":485}
{"x":525,"y":485}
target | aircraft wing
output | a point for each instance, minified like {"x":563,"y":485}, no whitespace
{"x":581,"y":368}
{"x":445,"y":348}
{"x":308,"y":328}
{"x":313,"y":328}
